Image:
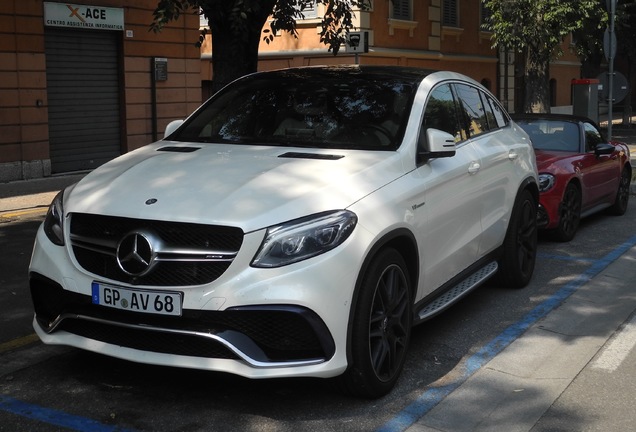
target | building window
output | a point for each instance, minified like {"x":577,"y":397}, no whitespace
{"x":450,"y":13}
{"x":400,"y":17}
{"x":486,"y":13}
{"x":401,"y":9}
{"x":308,"y":9}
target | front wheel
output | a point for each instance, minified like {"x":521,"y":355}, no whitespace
{"x":520,"y":245}
{"x":381,"y":328}
{"x":622,"y":195}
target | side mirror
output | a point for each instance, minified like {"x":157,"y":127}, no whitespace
{"x":603,"y":149}
{"x":439,"y":144}
{"x":172,"y":126}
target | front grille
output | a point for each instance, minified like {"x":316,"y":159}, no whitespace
{"x":268,"y":333}
{"x":95,"y":238}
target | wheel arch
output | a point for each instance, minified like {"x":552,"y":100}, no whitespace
{"x":531,"y":185}
{"x":628,"y":166}
{"x":576,"y":181}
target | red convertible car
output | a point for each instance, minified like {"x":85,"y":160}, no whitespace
{"x":580,"y":172}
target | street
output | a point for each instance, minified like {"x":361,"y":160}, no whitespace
{"x":46,"y":388}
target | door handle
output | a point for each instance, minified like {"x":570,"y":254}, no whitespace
{"x":512,"y":155}
{"x":474,"y":167}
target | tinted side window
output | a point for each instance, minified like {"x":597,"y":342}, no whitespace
{"x":592,"y":137}
{"x":441,"y":113}
{"x":497,"y":111}
{"x":473,"y":108}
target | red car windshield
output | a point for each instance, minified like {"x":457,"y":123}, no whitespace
{"x":554,"y":135}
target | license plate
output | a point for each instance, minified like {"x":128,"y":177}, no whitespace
{"x":145,"y":301}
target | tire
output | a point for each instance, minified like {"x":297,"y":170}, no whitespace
{"x":622,"y":195}
{"x":381,"y":328}
{"x":569,"y":214}
{"x":520,"y":245}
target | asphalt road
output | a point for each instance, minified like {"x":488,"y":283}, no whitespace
{"x":44,"y":388}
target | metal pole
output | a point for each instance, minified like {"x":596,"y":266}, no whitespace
{"x":610,"y":84}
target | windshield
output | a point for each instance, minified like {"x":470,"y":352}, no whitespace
{"x":332,"y":111}
{"x":552,"y":134}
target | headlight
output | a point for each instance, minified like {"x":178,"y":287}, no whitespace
{"x":546,"y":181}
{"x":54,"y":222}
{"x":304,"y":238}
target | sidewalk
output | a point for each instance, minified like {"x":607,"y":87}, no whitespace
{"x":30,"y":194}
{"x":571,"y":370}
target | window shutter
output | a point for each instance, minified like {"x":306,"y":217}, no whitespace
{"x":402,"y":9}
{"x":450,"y":17}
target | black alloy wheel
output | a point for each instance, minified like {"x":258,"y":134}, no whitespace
{"x":520,"y":245}
{"x":569,"y":214}
{"x":622,"y":195}
{"x":381,"y":327}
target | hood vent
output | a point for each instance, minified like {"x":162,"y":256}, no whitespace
{"x":176,"y":149}
{"x":297,"y":155}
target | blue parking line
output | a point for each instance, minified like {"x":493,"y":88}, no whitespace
{"x":565,"y":258}
{"x":431,"y":397}
{"x":55,"y":417}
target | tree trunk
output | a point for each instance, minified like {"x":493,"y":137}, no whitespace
{"x":233,"y":58}
{"x":235,"y":39}
{"x":537,"y":97}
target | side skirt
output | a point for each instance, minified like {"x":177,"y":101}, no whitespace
{"x":451,"y":293}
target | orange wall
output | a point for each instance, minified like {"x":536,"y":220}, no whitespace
{"x":426,"y":44}
{"x":23,"y":93}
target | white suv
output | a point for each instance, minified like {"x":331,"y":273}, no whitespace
{"x":299,"y":223}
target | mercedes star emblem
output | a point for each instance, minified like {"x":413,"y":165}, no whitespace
{"x":135,"y":254}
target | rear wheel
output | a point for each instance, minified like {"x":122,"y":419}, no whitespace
{"x":520,"y":245}
{"x":381,"y":328}
{"x":569,"y":214}
{"x":622,"y":196}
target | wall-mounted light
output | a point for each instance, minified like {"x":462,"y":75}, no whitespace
{"x":39,"y":103}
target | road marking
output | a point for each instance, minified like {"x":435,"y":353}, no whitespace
{"x":617,"y":350}
{"x":54,"y":417}
{"x":564,"y":258}
{"x":16,"y":213}
{"x":18,"y":343}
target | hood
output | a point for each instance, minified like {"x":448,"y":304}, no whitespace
{"x":250,"y":187}
{"x":546,"y":158}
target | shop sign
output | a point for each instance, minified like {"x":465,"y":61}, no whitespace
{"x":83,"y":16}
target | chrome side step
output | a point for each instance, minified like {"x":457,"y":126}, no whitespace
{"x":458,"y":291}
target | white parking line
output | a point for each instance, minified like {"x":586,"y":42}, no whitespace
{"x":617,"y":350}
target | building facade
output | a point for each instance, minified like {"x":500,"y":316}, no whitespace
{"x":84,"y":82}
{"x":432,"y":34}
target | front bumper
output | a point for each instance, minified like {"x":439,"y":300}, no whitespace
{"x":261,"y":336}
{"x":256,"y":323}
{"x":549,"y":209}
{"x":543,"y":220}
